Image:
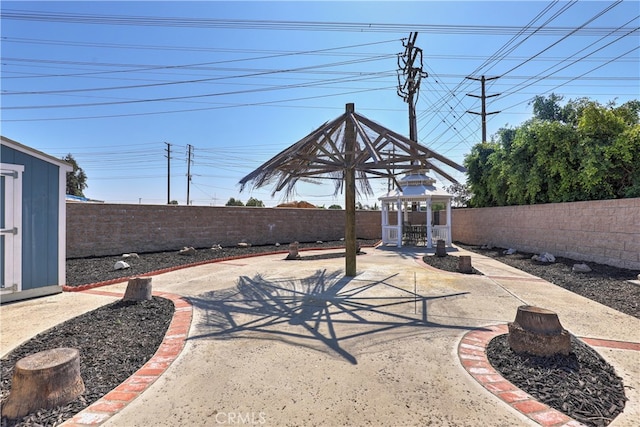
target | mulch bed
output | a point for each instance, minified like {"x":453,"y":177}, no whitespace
{"x":581,"y":385}
{"x":82,"y":271}
{"x":114,"y":341}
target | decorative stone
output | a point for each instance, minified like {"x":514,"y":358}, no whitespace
{"x":510,"y":251}
{"x":538,"y":331}
{"x":544,"y":257}
{"x":138,"y":289}
{"x":293,"y":251}
{"x":319,"y":242}
{"x":441,"y":249}
{"x":216,"y":247}
{"x":464,"y":264}
{"x":277,"y":245}
{"x":131,"y":255}
{"x":581,"y":268}
{"x":121,"y":265}
{"x":244,"y":245}
{"x":44,"y":380}
{"x":187,"y":251}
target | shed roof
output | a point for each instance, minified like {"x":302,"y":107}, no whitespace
{"x":36,"y":153}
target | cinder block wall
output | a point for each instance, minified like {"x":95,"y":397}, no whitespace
{"x":603,"y":231}
{"x":112,"y":229}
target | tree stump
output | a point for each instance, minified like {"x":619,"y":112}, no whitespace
{"x":138,"y":289}
{"x":441,"y":250}
{"x":293,"y":251}
{"x":538,"y":331}
{"x":464,"y":264}
{"x":44,"y":380}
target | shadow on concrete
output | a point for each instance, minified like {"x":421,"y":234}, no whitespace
{"x":325,"y":308}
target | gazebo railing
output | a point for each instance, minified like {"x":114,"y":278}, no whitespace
{"x":390,"y":234}
{"x":440,"y":232}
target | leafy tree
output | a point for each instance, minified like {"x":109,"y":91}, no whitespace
{"x":77,"y":179}
{"x":254,"y":202}
{"x":173,"y":202}
{"x":335,"y":207}
{"x":234,"y":202}
{"x":582,"y":151}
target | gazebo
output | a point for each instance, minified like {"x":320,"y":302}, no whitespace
{"x":347,"y":150}
{"x":417,"y":190}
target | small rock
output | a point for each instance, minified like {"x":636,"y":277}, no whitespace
{"x":509,"y":251}
{"x":277,"y":245}
{"x":187,"y":251}
{"x":121,"y":265}
{"x":342,"y":239}
{"x":544,"y":257}
{"x":131,"y":255}
{"x":216,"y":247}
{"x":581,"y":268}
{"x":638,"y":276}
{"x":244,"y":245}
{"x":319,"y":242}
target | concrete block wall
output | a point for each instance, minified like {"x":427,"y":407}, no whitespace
{"x":112,"y":229}
{"x":602,"y":231}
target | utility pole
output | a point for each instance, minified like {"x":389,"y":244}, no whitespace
{"x":409,"y":76}
{"x":483,"y":97}
{"x":189,"y":151}
{"x":168,"y":150}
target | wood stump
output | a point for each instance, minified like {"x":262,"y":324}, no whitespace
{"x":44,"y":380}
{"x":293,"y":251}
{"x":538,"y":331}
{"x":441,"y":249}
{"x":464,"y":264}
{"x":138,"y":289}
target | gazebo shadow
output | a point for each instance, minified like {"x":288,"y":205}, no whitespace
{"x":323,"y":311}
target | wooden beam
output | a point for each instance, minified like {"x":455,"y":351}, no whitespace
{"x":350,"y":196}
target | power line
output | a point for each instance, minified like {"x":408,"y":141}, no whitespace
{"x":245,"y":24}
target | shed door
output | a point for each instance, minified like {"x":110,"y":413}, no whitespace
{"x":11,"y":228}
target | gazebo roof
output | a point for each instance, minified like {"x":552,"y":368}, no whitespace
{"x":416,"y":187}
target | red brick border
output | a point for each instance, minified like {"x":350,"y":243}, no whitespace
{"x":472,"y":354}
{"x":171,"y":346}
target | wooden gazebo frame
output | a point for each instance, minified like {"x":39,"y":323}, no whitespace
{"x":347,"y":150}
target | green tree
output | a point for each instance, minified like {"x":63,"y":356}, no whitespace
{"x":77,"y":179}
{"x":582,"y":151}
{"x":254,"y":202}
{"x":234,"y":202}
{"x":335,"y":207}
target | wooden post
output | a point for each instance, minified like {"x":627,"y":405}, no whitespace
{"x":44,"y":380}
{"x":138,"y":289}
{"x":350,"y":194}
{"x":538,"y":331}
{"x":464,"y":264}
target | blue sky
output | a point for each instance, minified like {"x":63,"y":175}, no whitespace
{"x":113,"y":82}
